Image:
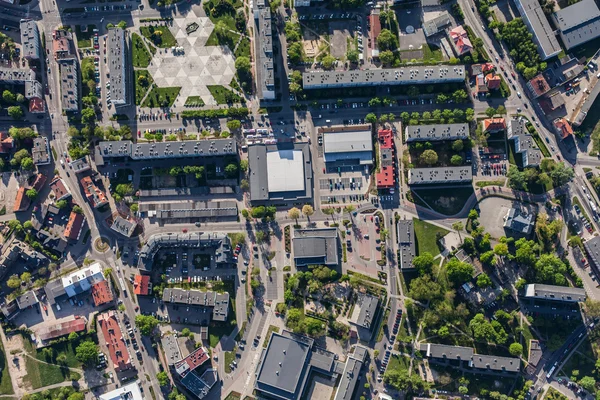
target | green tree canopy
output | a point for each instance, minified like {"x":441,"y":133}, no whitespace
{"x":146,"y":324}
{"x":87,"y":352}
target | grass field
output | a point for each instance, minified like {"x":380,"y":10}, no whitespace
{"x":243,"y":48}
{"x":194,"y":101}
{"x":497,"y":182}
{"x":553,"y":394}
{"x":444,"y":201}
{"x":140,"y":91}
{"x":223,"y":95}
{"x":5,"y":382}
{"x":141,"y":55}
{"x":52,"y":353}
{"x":40,"y":375}
{"x":161,"y":97}
{"x":425,"y":237}
{"x":164,"y":40}
{"x":398,"y":363}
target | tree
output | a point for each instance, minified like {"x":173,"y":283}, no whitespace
{"x":458,"y":271}
{"x":423,"y":263}
{"x":561,"y":174}
{"x":387,"y":57}
{"x":588,"y":383}
{"x":61,"y":204}
{"x":458,"y":226}
{"x":423,"y":288}
{"x":234,"y":124}
{"x":26,"y":277}
{"x":501,"y":249}
{"x":308,"y":210}
{"x":429,"y":157}
{"x":73,"y":336}
{"x":353,"y":56}
{"x":294,"y":213}
{"x":483,"y":281}
{"x":458,"y":145}
{"x":8,"y":96}
{"x":77,"y":210}
{"x":371,"y":118}
{"x":15,"y":112}
{"x":13,"y":282}
{"x":490,"y":112}
{"x":20,"y":98}
{"x":328,"y":61}
{"x":387,"y":40}
{"x":463,"y":390}
{"x":515,"y":349}
{"x":27,"y":164}
{"x":295,"y":52}
{"x":31,"y":193}
{"x":163,"y":378}
{"x":488,"y":258}
{"x":88,"y":116}
{"x":28,"y":225}
{"x":87,"y":352}
{"x":456,"y":160}
{"x":460,"y":96}
{"x":501,"y":110}
{"x":375,"y":102}
{"x":146,"y":324}
{"x":231,"y":171}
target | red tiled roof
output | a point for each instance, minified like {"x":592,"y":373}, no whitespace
{"x":385,"y":177}
{"x":386,"y":138}
{"x":58,"y":187}
{"x":114,"y":340}
{"x":95,"y":196}
{"x":62,"y":329}
{"x":73,"y":228}
{"x":564,"y":127}
{"x":461,"y":40}
{"x":21,"y":201}
{"x":477,"y":69}
{"x":141,"y":285}
{"x":538,"y":85}
{"x":39,"y":182}
{"x":493,"y":81}
{"x":6,"y":142}
{"x":60,"y":44}
{"x":101,"y":293}
{"x":494,"y":124}
{"x":191,"y":362}
{"x":375,"y":28}
{"x":387,"y":174}
{"x":36,"y":105}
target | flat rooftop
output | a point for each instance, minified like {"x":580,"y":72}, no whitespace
{"x":395,"y":76}
{"x":436,"y":132}
{"x":285,"y":171}
{"x":556,"y":293}
{"x":439,"y":175}
{"x":578,"y":23}
{"x":182,"y":149}
{"x":117,"y":65}
{"x":538,"y":24}
{"x":69,"y":87}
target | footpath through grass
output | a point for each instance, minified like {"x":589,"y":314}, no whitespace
{"x":5,"y":382}
{"x":161,"y":36}
{"x":426,"y":237}
{"x":141,"y":55}
{"x":161,"y":97}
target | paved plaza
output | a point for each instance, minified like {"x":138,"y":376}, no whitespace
{"x":197,"y":66}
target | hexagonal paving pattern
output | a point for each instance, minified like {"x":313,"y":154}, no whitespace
{"x":198,"y":66}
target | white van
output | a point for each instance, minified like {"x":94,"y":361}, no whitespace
{"x":58,"y":306}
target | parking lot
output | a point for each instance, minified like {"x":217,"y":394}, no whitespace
{"x":363,"y":245}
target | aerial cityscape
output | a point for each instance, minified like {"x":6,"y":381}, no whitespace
{"x":299,"y":199}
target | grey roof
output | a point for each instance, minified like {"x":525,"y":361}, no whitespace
{"x":16,"y":75}
{"x":30,"y":39}
{"x":52,"y":241}
{"x":397,"y":76}
{"x":219,"y":242}
{"x":27,"y":299}
{"x":40,"y":151}
{"x":219,"y":301}
{"x":351,"y":374}
{"x":151,"y":151}
{"x":556,"y":293}
{"x":578,"y":23}
{"x":435,"y":25}
{"x":53,"y":290}
{"x":592,"y":248}
{"x":117,"y":65}
{"x":124,"y":226}
{"x":315,"y":246}
{"x":264,"y":64}
{"x":479,"y":361}
{"x":347,"y":142}
{"x":364,"y":311}
{"x":33,"y":90}
{"x":439,"y":175}
{"x":69,"y":86}
{"x":221,"y":308}
{"x":436,"y":132}
{"x":524,"y":143}
{"x":80,"y":165}
{"x":258,"y":171}
{"x":171,"y":349}
{"x":406,"y":243}
{"x":518,"y":221}
{"x":283,"y":366}
{"x":538,"y":25}
{"x":190,"y":209}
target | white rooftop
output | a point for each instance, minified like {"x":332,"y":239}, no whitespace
{"x":285,"y":171}
{"x":348,"y":142}
{"x":130,"y":391}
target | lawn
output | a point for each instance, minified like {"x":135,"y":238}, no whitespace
{"x":583,"y":360}
{"x":5,"y":382}
{"x":445,"y":201}
{"x":216,"y":332}
{"x":164,"y":39}
{"x":243,"y":48}
{"x":49,"y":354}
{"x":140,"y":90}
{"x":161,"y":97}
{"x":272,"y":328}
{"x":233,"y":396}
{"x":497,"y":182}
{"x":229,"y":358}
{"x":426,"y":237}
{"x":195,"y":101}
{"x":398,"y":363}
{"x":229,"y":39}
{"x":223,"y":95}
{"x":141,"y":55}
{"x":84,"y":38}
{"x":553,"y":394}
{"x":40,"y":375}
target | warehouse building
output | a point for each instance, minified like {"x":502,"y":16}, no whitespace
{"x":315,"y":247}
{"x":280,"y":173}
{"x":578,"y":23}
{"x":347,"y":146}
{"x":537,"y":23}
